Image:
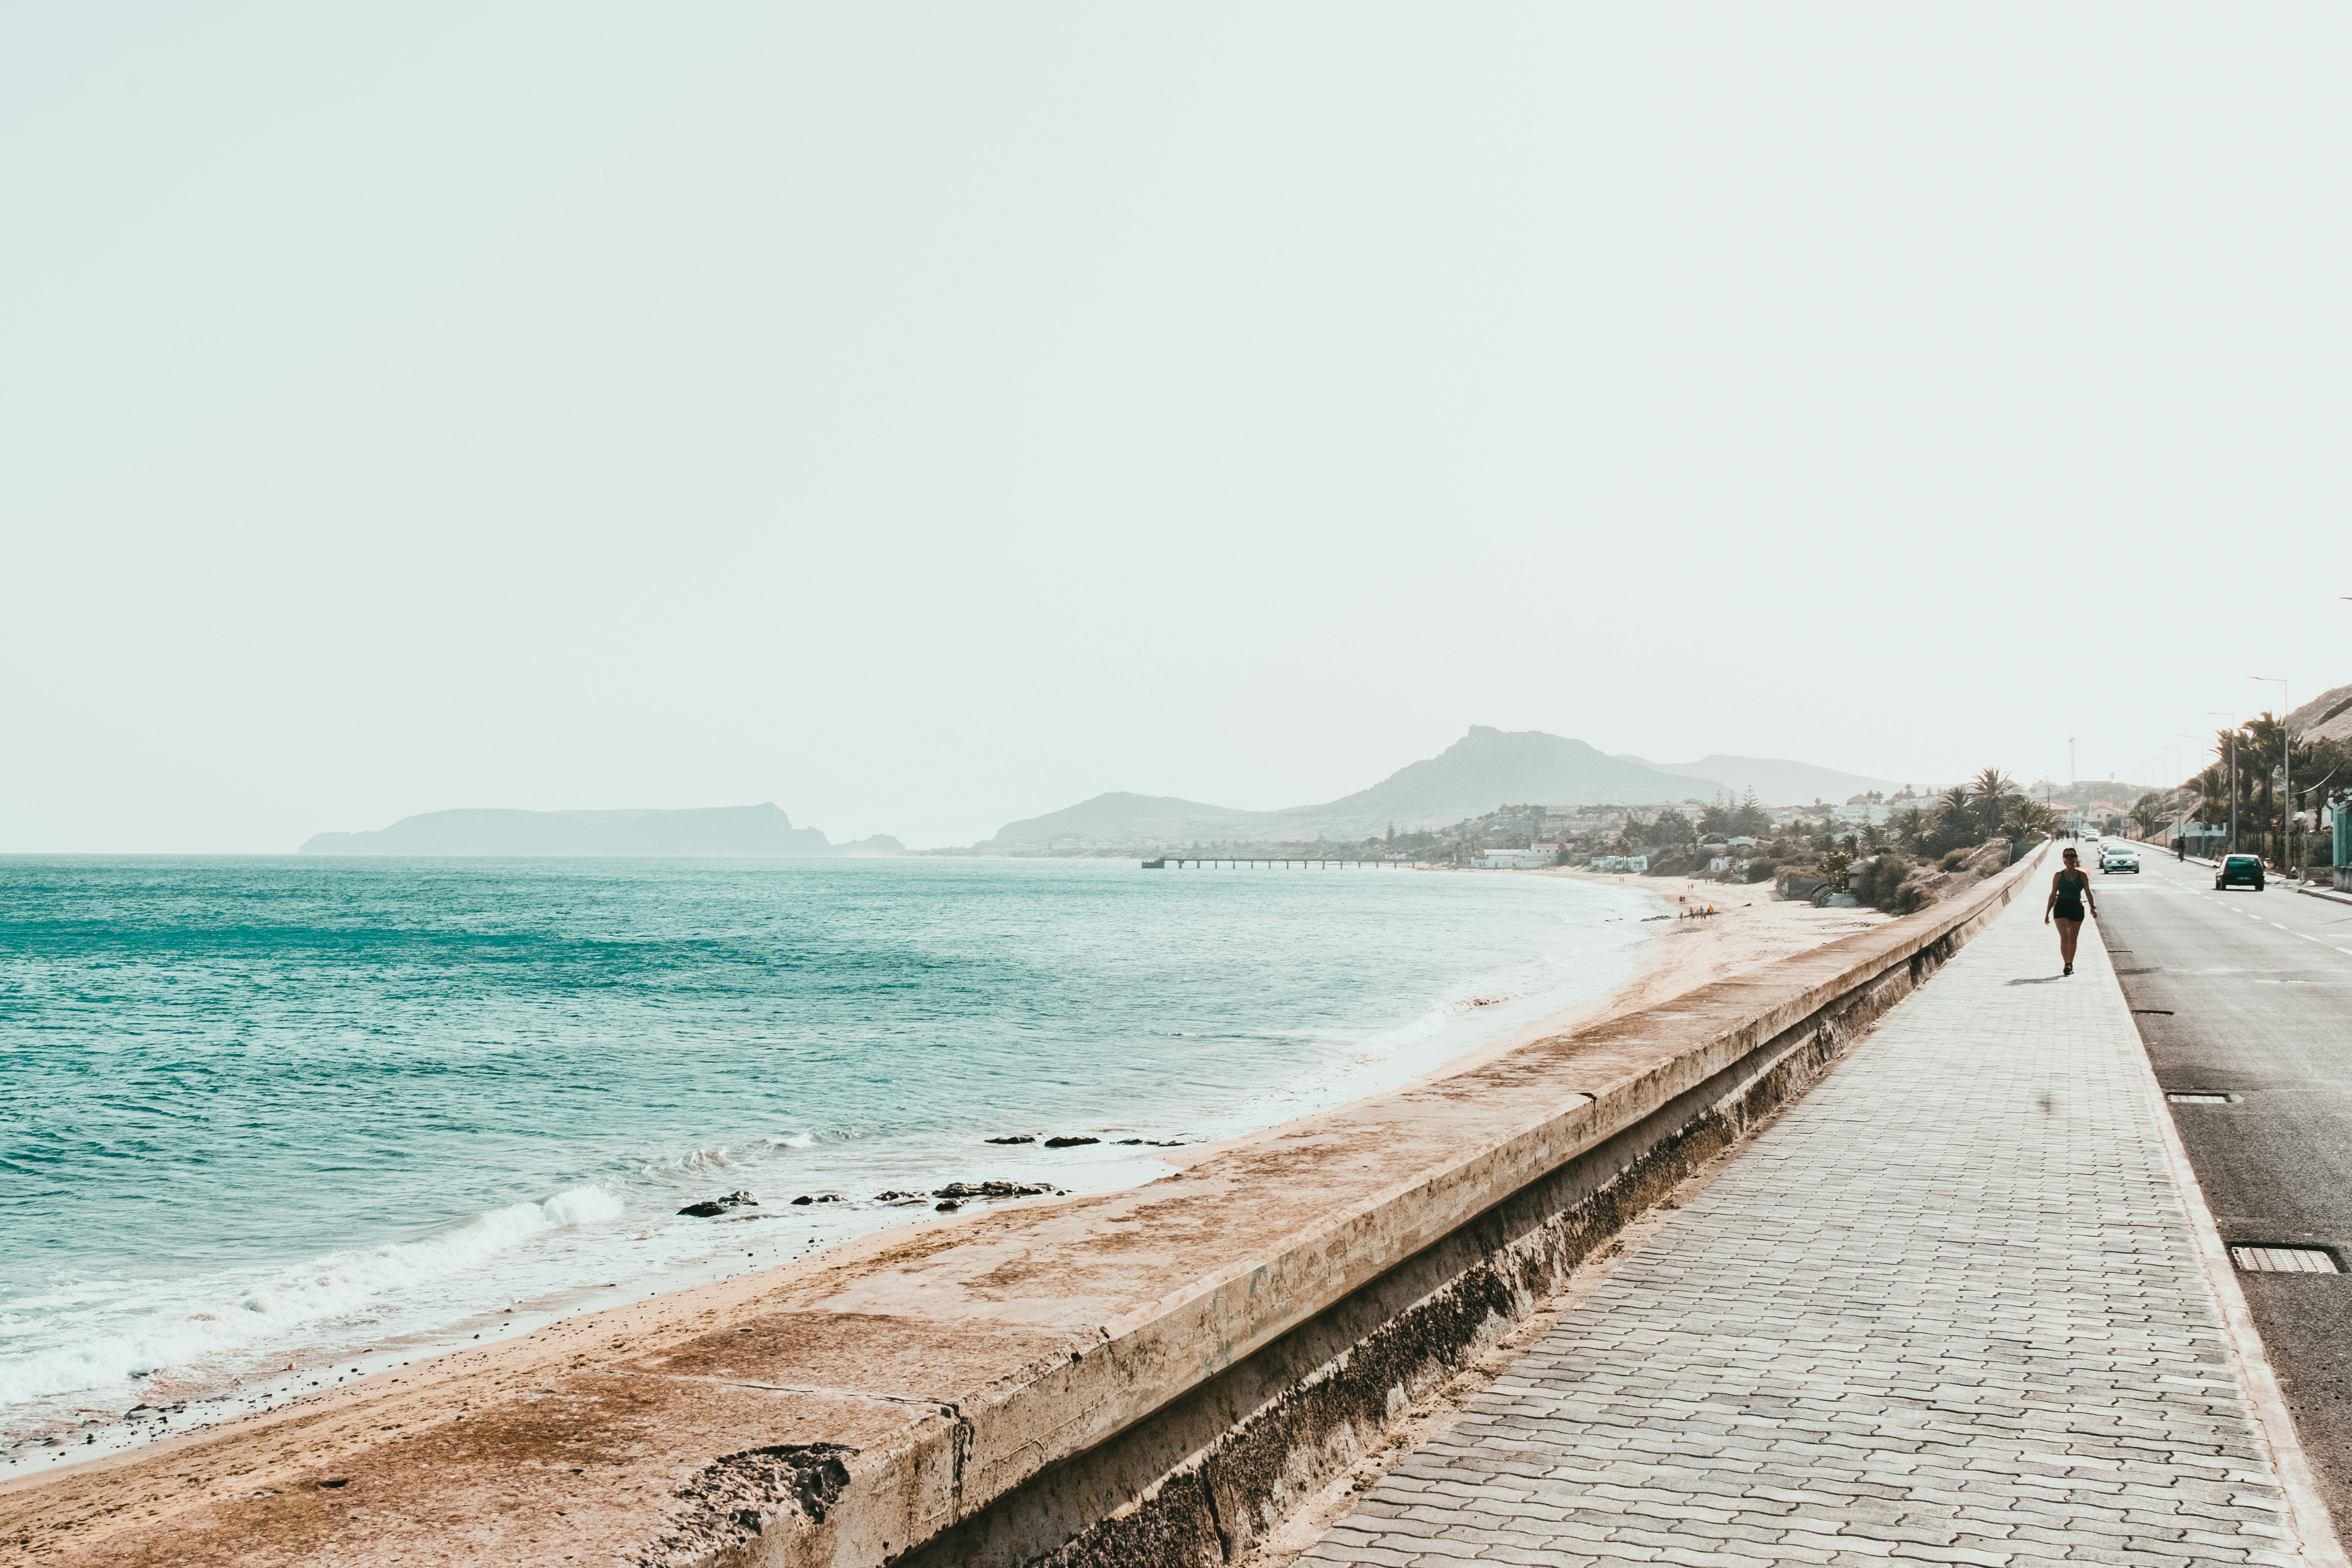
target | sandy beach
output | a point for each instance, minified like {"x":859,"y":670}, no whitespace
{"x":1752,"y":926}
{"x":1751,"y":929}
{"x":817,"y":1052}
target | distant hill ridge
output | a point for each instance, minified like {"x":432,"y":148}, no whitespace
{"x":1484,"y":769}
{"x":2328,"y":714}
{"x":717,"y":830}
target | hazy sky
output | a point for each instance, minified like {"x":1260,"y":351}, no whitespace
{"x":924,"y":416}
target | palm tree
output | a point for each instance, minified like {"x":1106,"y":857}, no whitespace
{"x":2212,"y":789}
{"x":2029,"y":819}
{"x":1991,"y":786}
{"x":1955,"y":824}
{"x":1989,"y":794}
{"x":2265,"y":735}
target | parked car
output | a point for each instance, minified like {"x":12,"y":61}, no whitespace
{"x":2239,"y":872}
{"x":2118,"y":857}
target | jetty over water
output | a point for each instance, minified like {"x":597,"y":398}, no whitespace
{"x":1180,"y":861}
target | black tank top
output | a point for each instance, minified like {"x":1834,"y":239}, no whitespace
{"x":2070,"y":895}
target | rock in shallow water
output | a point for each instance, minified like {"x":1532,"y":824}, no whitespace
{"x":710,"y":1208}
{"x":1070,"y":1142}
{"x":994,"y":1190}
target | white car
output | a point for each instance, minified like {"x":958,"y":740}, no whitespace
{"x":2118,"y":857}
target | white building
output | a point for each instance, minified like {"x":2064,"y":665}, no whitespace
{"x":1516,"y":859}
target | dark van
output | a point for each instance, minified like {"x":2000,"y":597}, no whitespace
{"x":2239,"y":871}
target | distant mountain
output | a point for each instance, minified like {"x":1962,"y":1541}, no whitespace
{"x":1775,"y":781}
{"x":1122,"y":815}
{"x":1489,"y":767}
{"x":1484,"y":769}
{"x":717,"y":830}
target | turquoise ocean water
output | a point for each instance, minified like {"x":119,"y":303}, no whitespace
{"x":333,"y":1114}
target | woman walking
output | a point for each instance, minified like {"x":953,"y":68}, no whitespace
{"x":2069,"y":889}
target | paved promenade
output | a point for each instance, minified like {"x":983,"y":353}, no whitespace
{"x":1951,"y":1307}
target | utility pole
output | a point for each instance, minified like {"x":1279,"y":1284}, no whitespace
{"x":2201,"y":798}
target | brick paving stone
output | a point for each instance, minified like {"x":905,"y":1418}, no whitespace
{"x":1947,"y":1308}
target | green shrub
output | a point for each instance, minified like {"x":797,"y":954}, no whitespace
{"x":1880,"y":884}
{"x":1955,"y":859}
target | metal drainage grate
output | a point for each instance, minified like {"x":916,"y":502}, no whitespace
{"x":2282,"y":1260}
{"x":2197,"y":1097}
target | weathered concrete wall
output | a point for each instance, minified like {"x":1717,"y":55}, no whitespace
{"x":1207,"y":1479}
{"x":1156,"y":1376}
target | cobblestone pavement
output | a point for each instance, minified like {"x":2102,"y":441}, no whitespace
{"x":1949,"y":1308}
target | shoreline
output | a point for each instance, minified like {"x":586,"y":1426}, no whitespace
{"x":1683,"y":958}
{"x":951,"y":1369}
{"x":192,"y":1396}
{"x":1753,"y":926}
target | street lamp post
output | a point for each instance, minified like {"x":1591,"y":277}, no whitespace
{"x":2287,"y":771}
{"x":2200,"y":798}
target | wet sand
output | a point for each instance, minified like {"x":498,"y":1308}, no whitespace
{"x":336,"y":1426}
{"x":1752,"y":927}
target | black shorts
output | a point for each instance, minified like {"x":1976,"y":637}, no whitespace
{"x":2063,"y":910}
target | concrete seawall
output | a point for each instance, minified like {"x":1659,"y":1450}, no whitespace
{"x":1156,"y":1376}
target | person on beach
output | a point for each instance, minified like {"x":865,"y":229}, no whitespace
{"x":2069,"y":889}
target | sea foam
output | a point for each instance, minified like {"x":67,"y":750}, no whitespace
{"x":204,"y":1320}
{"x":246,"y":1080}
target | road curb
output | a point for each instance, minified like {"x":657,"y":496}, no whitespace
{"x":2315,"y":1528}
{"x":2330,"y":894}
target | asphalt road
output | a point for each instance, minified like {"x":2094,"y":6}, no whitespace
{"x":2250,"y":994}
